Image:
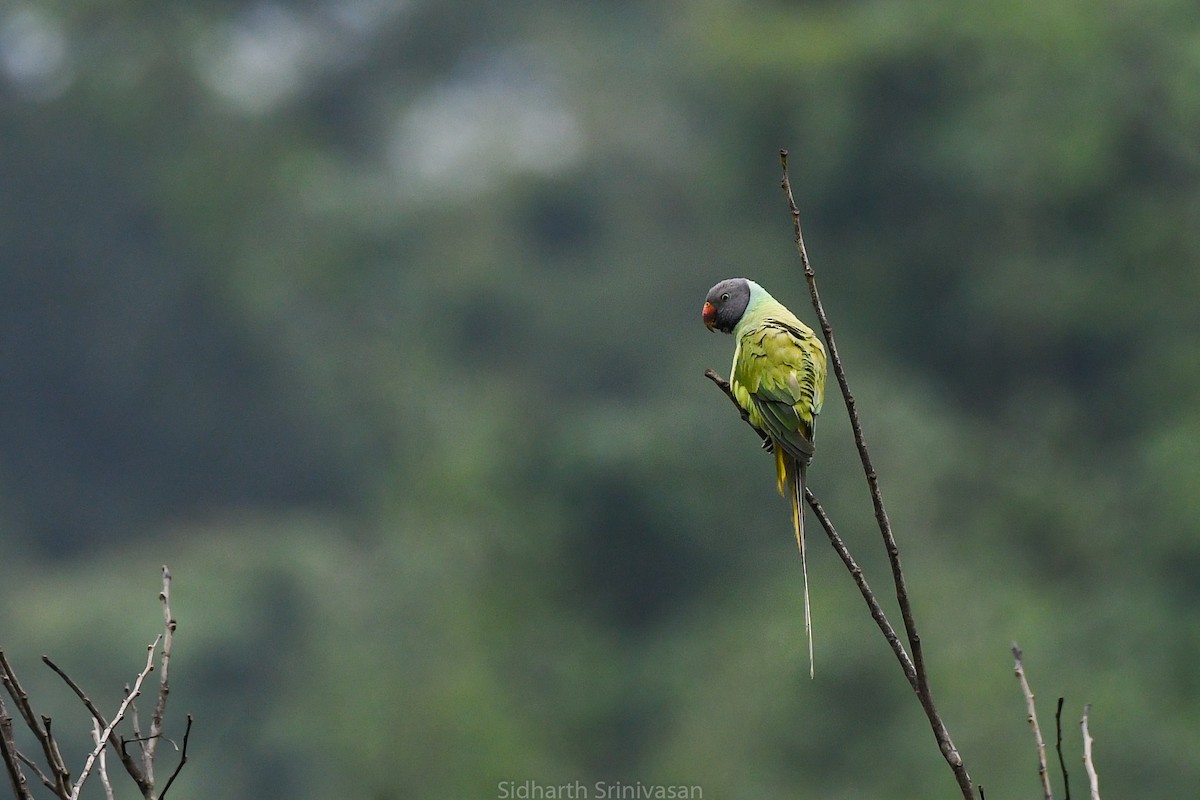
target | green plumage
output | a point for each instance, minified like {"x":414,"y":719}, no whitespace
{"x":778,"y":375}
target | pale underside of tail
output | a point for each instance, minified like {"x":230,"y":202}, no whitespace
{"x":790,"y":473}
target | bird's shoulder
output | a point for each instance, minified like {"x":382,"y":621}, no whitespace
{"x":782,"y":340}
{"x":781,"y":360}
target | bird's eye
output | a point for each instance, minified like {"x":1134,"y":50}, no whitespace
{"x":725,"y":297}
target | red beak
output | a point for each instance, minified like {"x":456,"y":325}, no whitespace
{"x":709,"y":315}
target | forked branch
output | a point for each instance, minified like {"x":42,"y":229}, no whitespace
{"x":102,"y":738}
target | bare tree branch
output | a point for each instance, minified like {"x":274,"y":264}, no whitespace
{"x":120,"y":715}
{"x":723,"y":385}
{"x":1058,"y":746}
{"x":57,"y":764}
{"x":1043,"y":773}
{"x":160,"y":705}
{"x":29,"y":762}
{"x":187,"y":733}
{"x":1088,"y":764}
{"x":136,"y":724}
{"x":860,"y":580}
{"x":923,"y":692}
{"x":41,"y":729}
{"x":12,"y":757}
{"x":126,"y":761}
{"x":57,"y":778}
{"x":102,"y":769}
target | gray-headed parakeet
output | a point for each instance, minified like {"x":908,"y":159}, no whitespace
{"x":778,"y":378}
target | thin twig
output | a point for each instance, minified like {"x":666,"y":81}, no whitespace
{"x":120,"y":715}
{"x":1088,"y":764}
{"x":924,"y":694}
{"x":87,"y":701}
{"x":102,"y":770}
{"x":724,"y":386}
{"x":57,"y":764}
{"x":164,"y":687}
{"x":187,"y":732}
{"x":135,"y":723}
{"x":43,"y":777}
{"x":1058,"y":746}
{"x":1043,"y":773}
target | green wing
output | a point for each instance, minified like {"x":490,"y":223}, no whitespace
{"x":779,"y":378}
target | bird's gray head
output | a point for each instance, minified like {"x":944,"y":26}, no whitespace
{"x":725,"y":304}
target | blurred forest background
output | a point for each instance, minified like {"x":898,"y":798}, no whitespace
{"x":379,"y":323}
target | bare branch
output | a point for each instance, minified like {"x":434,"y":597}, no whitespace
{"x":54,"y":775}
{"x":45,"y":779}
{"x":923,"y":692}
{"x":87,"y":701}
{"x":1058,"y":746}
{"x":130,"y":765}
{"x":41,"y":730}
{"x":12,"y":757}
{"x":187,"y":732}
{"x":1043,"y":773}
{"x":102,"y":770}
{"x":1088,"y":764}
{"x":724,"y":386}
{"x":860,"y":580}
{"x":136,"y":724}
{"x":57,"y":764}
{"x":168,"y":638}
{"x":108,"y":730}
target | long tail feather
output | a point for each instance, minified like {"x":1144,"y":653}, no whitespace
{"x":791,"y":475}
{"x":797,"y":496}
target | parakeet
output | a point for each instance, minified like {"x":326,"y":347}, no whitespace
{"x":778,"y":378}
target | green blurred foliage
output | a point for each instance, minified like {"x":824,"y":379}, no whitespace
{"x":378,"y":322}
